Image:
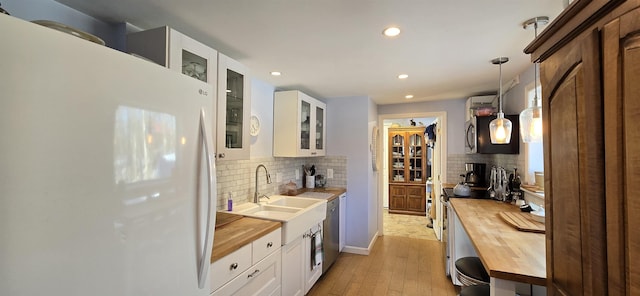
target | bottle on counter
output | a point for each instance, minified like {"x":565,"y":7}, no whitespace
{"x":229,"y":203}
{"x":516,"y":180}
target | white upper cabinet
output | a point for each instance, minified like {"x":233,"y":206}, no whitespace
{"x":234,"y":109}
{"x":176,"y":51}
{"x":230,"y":81}
{"x":298,"y":125}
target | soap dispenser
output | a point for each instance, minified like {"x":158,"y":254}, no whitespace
{"x":229,"y":203}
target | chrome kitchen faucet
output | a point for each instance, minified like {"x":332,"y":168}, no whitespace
{"x":256,"y":195}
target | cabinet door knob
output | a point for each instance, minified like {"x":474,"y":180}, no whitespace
{"x":233,"y":266}
{"x":269,"y":245}
{"x":221,"y":155}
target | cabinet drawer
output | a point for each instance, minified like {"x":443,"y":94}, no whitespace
{"x":264,"y":278}
{"x":266,"y":245}
{"x":229,"y":266}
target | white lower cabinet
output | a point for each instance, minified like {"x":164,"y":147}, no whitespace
{"x":293,"y":268}
{"x":299,"y":271}
{"x":263,"y":278}
{"x":254,"y":269}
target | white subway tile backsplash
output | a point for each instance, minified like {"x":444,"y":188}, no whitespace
{"x":238,"y":177}
{"x":455,"y":163}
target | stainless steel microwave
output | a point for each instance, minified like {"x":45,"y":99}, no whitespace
{"x":478,"y":140}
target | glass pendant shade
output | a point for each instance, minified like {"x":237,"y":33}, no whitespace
{"x":531,"y":118}
{"x":500,"y":130}
{"x":531,"y":124}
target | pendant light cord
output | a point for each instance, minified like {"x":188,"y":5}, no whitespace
{"x":500,"y":98}
{"x":535,"y":70}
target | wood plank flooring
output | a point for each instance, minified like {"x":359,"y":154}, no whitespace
{"x":396,"y":266}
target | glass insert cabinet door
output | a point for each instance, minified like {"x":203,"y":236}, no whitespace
{"x":194,"y":66}
{"x":319,"y":128}
{"x":235,"y":100}
{"x":416,"y":158}
{"x":397,"y":158}
{"x":234,"y":108}
{"x":305,"y":125}
{"x":407,"y":156}
{"x":176,"y":51}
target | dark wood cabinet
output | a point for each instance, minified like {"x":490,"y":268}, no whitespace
{"x":590,"y":74}
{"x":408,"y":171}
{"x":621,"y":63}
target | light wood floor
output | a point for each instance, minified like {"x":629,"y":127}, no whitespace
{"x":396,"y":266}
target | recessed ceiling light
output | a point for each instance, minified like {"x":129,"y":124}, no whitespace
{"x":403,"y":76}
{"x":408,"y":97}
{"x":275,"y":73}
{"x":391,"y":32}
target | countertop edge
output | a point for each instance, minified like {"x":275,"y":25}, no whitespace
{"x":497,"y":273}
{"x":336,"y":191}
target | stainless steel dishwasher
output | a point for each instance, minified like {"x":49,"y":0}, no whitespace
{"x":331,"y":234}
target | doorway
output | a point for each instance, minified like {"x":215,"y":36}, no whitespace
{"x":438,"y":165}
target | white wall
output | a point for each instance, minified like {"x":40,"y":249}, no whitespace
{"x":348,"y":134}
{"x":513,"y":101}
{"x":262,"y":107}
{"x":455,"y":118}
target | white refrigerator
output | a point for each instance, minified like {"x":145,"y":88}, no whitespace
{"x":107,"y":177}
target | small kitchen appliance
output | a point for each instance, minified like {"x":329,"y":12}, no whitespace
{"x":475,"y":174}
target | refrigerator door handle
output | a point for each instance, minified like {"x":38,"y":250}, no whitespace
{"x":203,"y":264}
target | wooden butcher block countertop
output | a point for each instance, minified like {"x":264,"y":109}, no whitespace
{"x":336,"y":191}
{"x":234,"y":231}
{"x":506,"y":253}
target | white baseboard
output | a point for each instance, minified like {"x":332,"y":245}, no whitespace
{"x":361,"y":251}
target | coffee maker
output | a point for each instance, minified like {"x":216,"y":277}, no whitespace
{"x":475,"y":174}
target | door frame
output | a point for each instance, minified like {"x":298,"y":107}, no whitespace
{"x":441,"y":117}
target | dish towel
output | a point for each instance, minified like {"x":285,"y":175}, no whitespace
{"x":316,"y":249}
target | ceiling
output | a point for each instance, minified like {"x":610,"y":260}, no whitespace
{"x":335,"y":48}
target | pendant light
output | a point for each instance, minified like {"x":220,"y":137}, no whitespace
{"x":531,"y":118}
{"x":500,"y":128}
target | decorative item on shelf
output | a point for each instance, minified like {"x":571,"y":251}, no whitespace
{"x":500,"y":128}
{"x":531,"y":118}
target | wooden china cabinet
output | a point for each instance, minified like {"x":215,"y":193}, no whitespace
{"x":408,"y":171}
{"x":590,"y":74}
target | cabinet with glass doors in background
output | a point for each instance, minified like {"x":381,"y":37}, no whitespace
{"x":408,"y":170}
